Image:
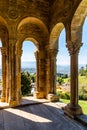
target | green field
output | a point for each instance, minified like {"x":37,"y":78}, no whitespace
{"x":81,"y":79}
{"x":82,"y":103}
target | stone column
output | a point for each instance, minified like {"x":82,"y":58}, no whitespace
{"x":37,"y":70}
{"x":12,"y":72}
{"x":18,"y":74}
{"x":48,"y":79}
{"x":52,"y":95}
{"x":41,"y":75}
{"x":73,"y":109}
{"x":3,"y":52}
{"x":7,"y":77}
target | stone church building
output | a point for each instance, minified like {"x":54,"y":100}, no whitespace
{"x":40,"y":21}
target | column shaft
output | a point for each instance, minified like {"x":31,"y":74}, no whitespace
{"x":12,"y":75}
{"x":3,"y":51}
{"x":74,"y":79}
{"x":18,"y":74}
{"x":52,"y":95}
{"x":37,"y":70}
{"x":41,"y":75}
{"x":73,"y":109}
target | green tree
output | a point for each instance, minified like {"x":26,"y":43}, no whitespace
{"x":25,"y":83}
{"x":82,"y":71}
{"x":86,"y":71}
{"x":60,"y":80}
{"x":33,"y":78}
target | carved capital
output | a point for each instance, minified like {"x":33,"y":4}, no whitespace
{"x":3,"y":51}
{"x":73,"y":47}
{"x":19,"y":53}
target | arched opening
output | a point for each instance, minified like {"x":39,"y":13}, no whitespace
{"x":59,"y":67}
{"x":28,"y":69}
{"x":73,"y":108}
{"x":0,"y":69}
{"x":78,"y":37}
{"x":83,"y":67}
{"x":63,"y":68}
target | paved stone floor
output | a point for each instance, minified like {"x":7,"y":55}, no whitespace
{"x":46,"y":116}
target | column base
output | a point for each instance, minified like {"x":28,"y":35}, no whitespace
{"x":13,"y":103}
{"x":72,"y":111}
{"x":39,"y":95}
{"x":53,"y":97}
{"x":3,"y":99}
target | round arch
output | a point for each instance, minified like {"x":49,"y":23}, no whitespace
{"x":33,"y":20}
{"x":54,"y":35}
{"x":34,"y":27}
{"x":78,"y":21}
{"x":3,"y":31}
{"x":23,"y":38}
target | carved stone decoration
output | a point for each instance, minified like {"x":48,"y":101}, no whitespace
{"x":73,"y":47}
{"x":13,"y":13}
{"x":12,"y":2}
{"x":3,"y":51}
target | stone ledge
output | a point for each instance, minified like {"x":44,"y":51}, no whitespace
{"x":13,"y":103}
{"x":72,"y":111}
{"x":3,"y":99}
{"x":82,"y":119}
{"x":39,"y":95}
{"x":53,"y":97}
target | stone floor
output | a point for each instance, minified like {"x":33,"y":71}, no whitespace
{"x":38,"y":116}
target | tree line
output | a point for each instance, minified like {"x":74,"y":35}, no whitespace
{"x":26,"y":80}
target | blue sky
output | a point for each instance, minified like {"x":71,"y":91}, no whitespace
{"x":28,"y":51}
{"x":63,"y":57}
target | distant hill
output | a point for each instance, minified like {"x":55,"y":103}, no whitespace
{"x":65,"y":69}
{"x":60,"y":68}
{"x":31,"y":67}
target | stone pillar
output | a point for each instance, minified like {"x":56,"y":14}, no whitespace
{"x":41,"y":75}
{"x":52,"y":95}
{"x":3,"y":52}
{"x":18,"y":74}
{"x":48,"y":79}
{"x":37,"y":70}
{"x":7,"y":77}
{"x":73,"y":109}
{"x":12,"y":70}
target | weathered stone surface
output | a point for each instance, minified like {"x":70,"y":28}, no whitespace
{"x":40,"y":21}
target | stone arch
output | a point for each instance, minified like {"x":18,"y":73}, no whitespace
{"x":3,"y":31}
{"x":2,"y":21}
{"x":74,"y":44}
{"x":33,"y":27}
{"x":77,"y":21}
{"x":4,"y":35}
{"x":39,"y":60}
{"x":52,"y":53}
{"x":34,"y":30}
{"x":54,"y":35}
{"x":26,"y":37}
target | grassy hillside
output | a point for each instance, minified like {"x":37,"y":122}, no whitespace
{"x":82,"y":80}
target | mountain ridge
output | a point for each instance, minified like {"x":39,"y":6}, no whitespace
{"x":31,"y":67}
{"x":60,"y":68}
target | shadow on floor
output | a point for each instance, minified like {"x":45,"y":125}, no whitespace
{"x":41,"y":116}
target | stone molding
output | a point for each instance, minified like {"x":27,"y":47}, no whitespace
{"x":3,"y":51}
{"x":73,"y":47}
